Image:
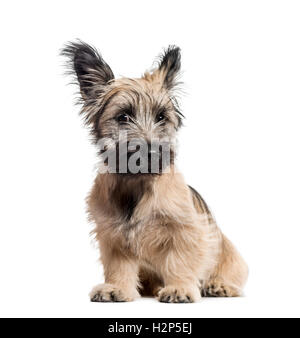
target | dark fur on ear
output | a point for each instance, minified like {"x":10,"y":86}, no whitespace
{"x":169,"y":65}
{"x":91,"y":71}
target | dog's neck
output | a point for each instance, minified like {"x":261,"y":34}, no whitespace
{"x":128,"y":190}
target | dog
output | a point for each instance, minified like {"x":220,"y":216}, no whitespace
{"x":156,"y":234}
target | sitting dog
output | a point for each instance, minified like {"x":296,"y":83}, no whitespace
{"x":156,"y":234}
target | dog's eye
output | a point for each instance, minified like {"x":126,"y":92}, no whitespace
{"x":122,"y":118}
{"x":161,"y":116}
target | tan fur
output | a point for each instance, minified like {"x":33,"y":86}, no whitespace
{"x":171,"y":248}
{"x":156,"y":234}
{"x":170,"y":239}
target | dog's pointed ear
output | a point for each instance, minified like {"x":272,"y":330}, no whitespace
{"x":169,"y":66}
{"x":91,"y":71}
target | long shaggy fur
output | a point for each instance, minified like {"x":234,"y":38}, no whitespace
{"x":156,"y":234}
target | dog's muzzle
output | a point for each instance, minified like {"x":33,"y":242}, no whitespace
{"x":135,"y":158}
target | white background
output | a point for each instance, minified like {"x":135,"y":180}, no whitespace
{"x":239,"y":146}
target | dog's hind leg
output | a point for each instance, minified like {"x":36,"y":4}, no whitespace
{"x":218,"y":288}
{"x":230,"y":275}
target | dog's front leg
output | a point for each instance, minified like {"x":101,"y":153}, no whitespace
{"x":121,"y":277}
{"x":177,"y":290}
{"x":179,"y":274}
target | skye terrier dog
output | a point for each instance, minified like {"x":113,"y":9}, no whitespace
{"x":156,"y":234}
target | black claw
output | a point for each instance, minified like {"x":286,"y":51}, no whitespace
{"x":165,"y":299}
{"x":95,"y":298}
{"x":113,"y":296}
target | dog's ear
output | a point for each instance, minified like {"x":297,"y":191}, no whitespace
{"x":91,"y":71}
{"x":169,"y":66}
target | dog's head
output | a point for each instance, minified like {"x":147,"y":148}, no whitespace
{"x":142,"y":113}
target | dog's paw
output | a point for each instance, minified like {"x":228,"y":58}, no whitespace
{"x":172,"y":294}
{"x":111,"y":293}
{"x":216,"y":288}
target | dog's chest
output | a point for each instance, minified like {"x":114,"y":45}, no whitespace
{"x":147,"y":214}
{"x":128,"y":198}
{"x":143,"y":235}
